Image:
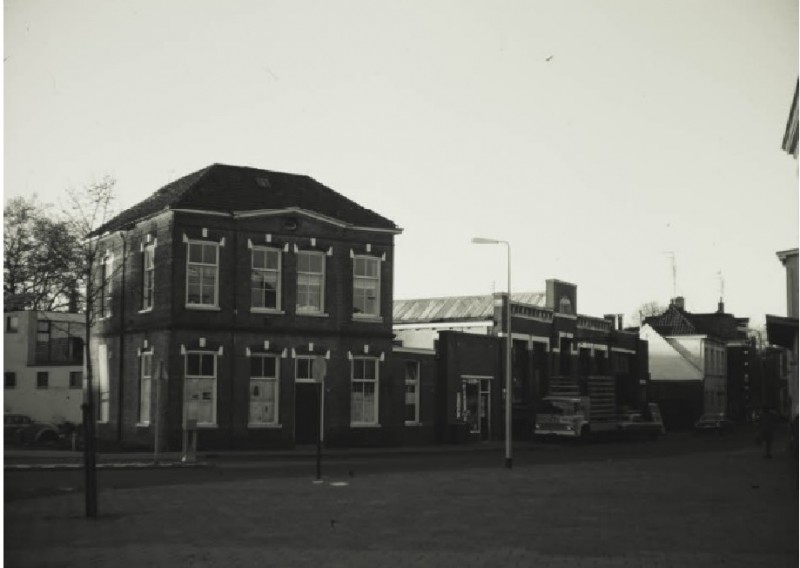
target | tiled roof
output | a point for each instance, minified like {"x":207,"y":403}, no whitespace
{"x":458,"y":308}
{"x":676,"y":321}
{"x":225,"y":188}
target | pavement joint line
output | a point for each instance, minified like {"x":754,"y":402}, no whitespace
{"x":126,"y":465}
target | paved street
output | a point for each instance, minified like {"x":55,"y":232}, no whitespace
{"x":720,"y":508}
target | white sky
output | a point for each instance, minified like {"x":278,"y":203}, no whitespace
{"x":656,"y":126}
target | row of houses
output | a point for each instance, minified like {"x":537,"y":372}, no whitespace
{"x":250,"y":305}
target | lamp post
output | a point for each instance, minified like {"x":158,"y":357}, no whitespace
{"x":483,"y":241}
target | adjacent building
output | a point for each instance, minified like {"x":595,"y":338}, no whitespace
{"x":227,"y":296}
{"x":782,"y":330}
{"x":43,"y":365}
{"x":690,"y":372}
{"x":553,"y":347}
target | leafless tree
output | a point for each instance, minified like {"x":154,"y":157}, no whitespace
{"x":86,"y":211}
{"x":646,"y":310}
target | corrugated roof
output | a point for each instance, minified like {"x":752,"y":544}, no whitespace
{"x":456,"y":308}
{"x":225,"y":188}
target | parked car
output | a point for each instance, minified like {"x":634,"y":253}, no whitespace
{"x":714,"y":422}
{"x":634,"y":425}
{"x":21,"y":429}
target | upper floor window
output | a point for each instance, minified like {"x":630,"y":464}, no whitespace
{"x":105,"y":272}
{"x":201,"y":387}
{"x":58,"y":342}
{"x":202,"y":274}
{"x":366,"y":285}
{"x":310,"y":282}
{"x":265,"y":278}
{"x":42,"y":380}
{"x":10,"y":380}
{"x":12,"y":324}
{"x":148,"y":275}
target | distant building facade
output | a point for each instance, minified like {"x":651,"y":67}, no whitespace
{"x":690,"y":369}
{"x":43,"y":365}
{"x":552,"y":346}
{"x":783,"y":330}
{"x":229,"y":290}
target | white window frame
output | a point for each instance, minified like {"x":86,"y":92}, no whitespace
{"x":103,"y":385}
{"x":279,"y":277}
{"x":376,"y":381}
{"x":148,"y":275}
{"x":200,"y":306}
{"x":301,"y":310}
{"x":375,"y":280}
{"x":145,"y":380}
{"x":263,"y":380}
{"x":310,"y":378}
{"x":106,"y":278}
{"x":187,"y":377}
{"x":415,"y":382}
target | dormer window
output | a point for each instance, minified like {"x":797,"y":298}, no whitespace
{"x":565,"y":305}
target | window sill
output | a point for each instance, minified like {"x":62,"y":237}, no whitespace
{"x":362,"y":425}
{"x":367,"y":318}
{"x":206,"y":426}
{"x":203,"y":308}
{"x":265,"y":426}
{"x":143,"y":425}
{"x":146,"y":310}
{"x":267,"y":311}
{"x":413,"y":423}
{"x":312,"y":314}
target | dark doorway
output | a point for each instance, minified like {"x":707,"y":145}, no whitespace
{"x":306,"y":413}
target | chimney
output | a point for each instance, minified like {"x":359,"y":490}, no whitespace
{"x":619,"y":320}
{"x":612,"y":319}
{"x":678,"y":302}
{"x":721,"y":307}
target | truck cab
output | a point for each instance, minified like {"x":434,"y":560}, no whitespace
{"x":563,"y":416}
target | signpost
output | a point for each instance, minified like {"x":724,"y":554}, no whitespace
{"x":318,"y":372}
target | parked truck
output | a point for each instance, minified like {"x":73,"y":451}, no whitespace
{"x":566,"y":412}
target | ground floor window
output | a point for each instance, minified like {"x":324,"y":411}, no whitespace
{"x":412,"y":392}
{"x":263,"y":390}
{"x":364,"y":391}
{"x":145,"y":382}
{"x":201,"y":387}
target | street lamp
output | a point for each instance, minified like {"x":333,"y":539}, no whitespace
{"x":483,"y":241}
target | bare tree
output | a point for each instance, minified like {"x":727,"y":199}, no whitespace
{"x":646,"y":310}
{"x":87,"y":210}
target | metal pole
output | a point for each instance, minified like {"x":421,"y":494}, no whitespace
{"x":508,"y":363}
{"x":319,"y":432}
{"x":158,"y":409}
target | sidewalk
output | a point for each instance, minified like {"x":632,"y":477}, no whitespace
{"x":15,"y":459}
{"x":729,"y":508}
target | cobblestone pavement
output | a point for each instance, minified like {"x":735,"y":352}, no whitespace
{"x":718,"y":509}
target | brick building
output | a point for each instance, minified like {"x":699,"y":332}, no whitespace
{"x":223,"y":291}
{"x":553,"y":346}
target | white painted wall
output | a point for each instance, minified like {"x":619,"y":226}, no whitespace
{"x":56,"y":403}
{"x":666,"y":363}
